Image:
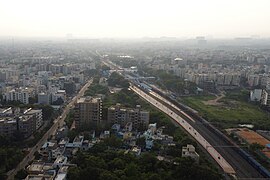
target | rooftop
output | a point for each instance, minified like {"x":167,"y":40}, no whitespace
{"x":36,"y":166}
{"x":7,"y":120}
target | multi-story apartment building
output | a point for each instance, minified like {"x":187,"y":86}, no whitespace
{"x":7,"y":73}
{"x":44,"y":98}
{"x":138,"y":117}
{"x":265,"y":97}
{"x":11,"y":120}
{"x":60,"y":94}
{"x":26,"y":125}
{"x":88,"y":111}
{"x":8,"y":126}
{"x":37,"y":113}
{"x":19,"y":94}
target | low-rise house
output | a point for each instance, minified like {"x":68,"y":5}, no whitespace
{"x":60,"y":161}
{"x":116,"y":128}
{"x":48,"y":171}
{"x":51,"y":150}
{"x":149,"y":143}
{"x":41,"y":170}
{"x":189,"y":151}
{"x":61,"y":132}
{"x":77,"y":142}
{"x":136,"y":150}
{"x":62,"y":173}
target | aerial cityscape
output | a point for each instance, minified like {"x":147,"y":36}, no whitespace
{"x":110,"y":90}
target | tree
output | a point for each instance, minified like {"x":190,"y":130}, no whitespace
{"x":140,"y":141}
{"x":113,"y":141}
{"x":17,"y":135}
{"x":117,"y":163}
{"x":256,"y":146}
{"x":148,"y":162}
{"x":21,"y":174}
{"x":72,"y":134}
{"x":59,"y":101}
{"x":117,"y":80}
{"x":132,"y":171}
{"x":152,"y":176}
{"x":47,"y":112}
{"x":107,"y":175}
{"x":3,"y":172}
{"x":98,"y":148}
{"x":37,"y":155}
{"x":4,"y":141}
{"x":69,"y":119}
{"x":33,"y":100}
{"x":105,"y":68}
{"x":73,"y":173}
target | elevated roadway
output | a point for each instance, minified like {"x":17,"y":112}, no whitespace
{"x":221,"y":151}
{"x":229,"y":160}
{"x":195,"y":134}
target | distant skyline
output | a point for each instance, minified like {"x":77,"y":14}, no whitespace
{"x":135,"y":19}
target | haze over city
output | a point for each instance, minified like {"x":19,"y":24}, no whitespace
{"x":135,"y":19}
{"x":145,"y":89}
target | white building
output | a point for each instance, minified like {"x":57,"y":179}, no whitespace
{"x":19,"y":94}
{"x":256,"y":95}
{"x":265,"y":98}
{"x":60,"y":161}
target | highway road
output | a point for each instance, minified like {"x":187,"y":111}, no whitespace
{"x":57,"y":123}
{"x":241,"y":166}
{"x":224,"y":154}
{"x":204,"y":143}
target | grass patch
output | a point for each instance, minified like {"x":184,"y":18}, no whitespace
{"x":230,"y":113}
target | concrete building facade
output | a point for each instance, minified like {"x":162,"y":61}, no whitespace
{"x":138,"y":117}
{"x":88,"y":111}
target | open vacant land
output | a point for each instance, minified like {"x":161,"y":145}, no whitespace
{"x":228,"y":112}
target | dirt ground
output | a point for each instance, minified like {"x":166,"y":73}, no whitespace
{"x":214,"y":102}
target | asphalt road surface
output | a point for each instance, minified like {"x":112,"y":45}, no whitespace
{"x":242,"y":168}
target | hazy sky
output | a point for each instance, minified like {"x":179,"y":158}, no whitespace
{"x":135,"y":18}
